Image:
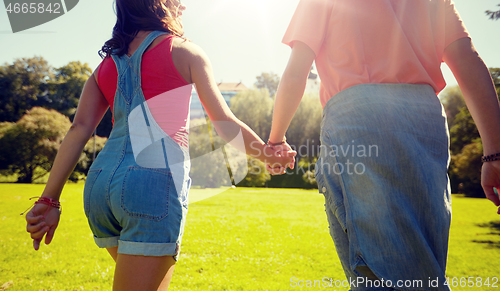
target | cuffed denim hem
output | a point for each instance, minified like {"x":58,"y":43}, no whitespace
{"x":148,"y":249}
{"x":107,"y":242}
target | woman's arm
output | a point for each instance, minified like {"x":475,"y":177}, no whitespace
{"x":290,"y":92}
{"x":198,"y":70}
{"x":481,"y":99}
{"x":91,"y":109}
{"x":291,"y":89}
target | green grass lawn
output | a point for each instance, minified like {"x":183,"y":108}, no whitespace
{"x":242,"y":239}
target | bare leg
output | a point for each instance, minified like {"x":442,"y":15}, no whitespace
{"x":165,"y":283}
{"x":141,"y":273}
{"x":113,"y":252}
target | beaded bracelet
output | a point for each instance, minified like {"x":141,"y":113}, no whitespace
{"x":47,"y":201}
{"x":490,"y":158}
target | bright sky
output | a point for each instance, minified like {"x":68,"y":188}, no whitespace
{"x":241,"y":37}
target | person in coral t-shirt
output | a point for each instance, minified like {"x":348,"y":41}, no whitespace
{"x":384,"y":138}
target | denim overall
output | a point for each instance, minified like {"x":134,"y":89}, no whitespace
{"x":135,"y":195}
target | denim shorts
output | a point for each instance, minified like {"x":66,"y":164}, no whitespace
{"x":383,"y":171}
{"x":138,"y":210}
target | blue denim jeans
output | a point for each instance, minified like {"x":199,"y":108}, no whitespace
{"x":135,"y":195}
{"x":383,"y":171}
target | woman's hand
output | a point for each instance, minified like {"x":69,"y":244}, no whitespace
{"x":287,"y":154}
{"x":490,"y":178}
{"x":42,"y":221}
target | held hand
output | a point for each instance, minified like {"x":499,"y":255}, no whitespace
{"x":490,"y":177}
{"x":39,"y":226}
{"x":288,"y":159}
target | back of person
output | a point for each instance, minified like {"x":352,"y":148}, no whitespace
{"x":379,"y":63}
{"x":377,"y":41}
{"x":166,"y":92}
{"x":135,"y":196}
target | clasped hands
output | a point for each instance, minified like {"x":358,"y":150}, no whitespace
{"x":284,"y":157}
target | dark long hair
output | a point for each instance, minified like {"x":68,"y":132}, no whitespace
{"x":135,"y":15}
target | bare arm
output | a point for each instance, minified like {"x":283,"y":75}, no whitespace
{"x":481,"y":99}
{"x":200,"y":73}
{"x":91,"y":109}
{"x":291,"y":89}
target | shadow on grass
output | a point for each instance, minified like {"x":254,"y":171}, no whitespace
{"x":494,"y":226}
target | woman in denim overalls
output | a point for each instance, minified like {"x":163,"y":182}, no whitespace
{"x":135,"y":195}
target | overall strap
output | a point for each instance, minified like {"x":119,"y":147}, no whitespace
{"x":136,"y":58}
{"x":146,"y":43}
{"x":131,"y":66}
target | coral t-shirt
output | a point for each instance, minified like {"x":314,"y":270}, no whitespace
{"x":376,"y":41}
{"x":167,"y":94}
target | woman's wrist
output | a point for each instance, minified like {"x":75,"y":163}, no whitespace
{"x":51,"y":203}
{"x":276,"y":143}
{"x":51,"y":191}
{"x":51,"y":197}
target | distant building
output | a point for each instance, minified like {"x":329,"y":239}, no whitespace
{"x":228,"y":90}
{"x":313,"y":82}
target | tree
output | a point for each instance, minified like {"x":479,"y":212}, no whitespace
{"x":465,"y":143}
{"x":206,"y":148}
{"x":495,"y":75}
{"x":453,"y":102}
{"x":269,"y":81}
{"x":257,"y":174}
{"x":67,"y":87}
{"x":304,"y":130}
{"x":467,"y":168}
{"x":4,"y":127}
{"x":33,"y":82}
{"x":463,"y":132}
{"x":308,"y":168}
{"x":86,"y":158}
{"x":494,"y":15}
{"x":32,"y":143}
{"x":303,"y":135}
{"x":22,"y":84}
{"x":254,"y":107}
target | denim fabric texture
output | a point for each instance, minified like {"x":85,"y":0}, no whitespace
{"x":139,"y":208}
{"x":383,"y":171}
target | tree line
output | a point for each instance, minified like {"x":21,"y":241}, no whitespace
{"x":38,"y":102}
{"x":465,"y":143}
